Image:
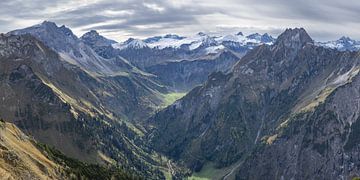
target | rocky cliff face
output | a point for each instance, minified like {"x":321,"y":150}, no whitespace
{"x":317,"y":143}
{"x":227,"y":119}
{"x":101,"y":45}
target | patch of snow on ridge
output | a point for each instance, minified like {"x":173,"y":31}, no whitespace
{"x":343,"y":78}
{"x":342,"y":44}
{"x":196,"y":41}
{"x":165,"y":43}
{"x":172,"y":42}
{"x":195,"y":45}
{"x":214,"y":49}
{"x":130,"y":43}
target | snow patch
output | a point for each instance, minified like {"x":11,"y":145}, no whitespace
{"x":212,"y":43}
{"x":131,"y":43}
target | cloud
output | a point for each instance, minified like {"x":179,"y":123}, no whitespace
{"x":121,"y":19}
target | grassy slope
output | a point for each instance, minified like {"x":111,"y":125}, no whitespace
{"x":20,"y":158}
{"x":170,"y":98}
{"x":207,"y":172}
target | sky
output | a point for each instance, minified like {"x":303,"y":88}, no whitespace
{"x":121,"y":19}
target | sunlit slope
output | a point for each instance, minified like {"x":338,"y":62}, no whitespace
{"x":20,"y":159}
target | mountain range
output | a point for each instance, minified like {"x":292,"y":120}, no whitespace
{"x":207,"y":106}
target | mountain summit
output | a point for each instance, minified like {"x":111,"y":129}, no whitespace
{"x":94,"y":38}
{"x":294,"y":38}
{"x":58,"y":38}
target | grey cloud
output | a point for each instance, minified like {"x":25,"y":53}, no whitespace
{"x":26,"y":9}
{"x":140,"y":15}
{"x":324,"y":19}
{"x":332,"y":11}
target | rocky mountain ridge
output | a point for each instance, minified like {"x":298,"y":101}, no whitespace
{"x":232,"y":120}
{"x":111,"y":76}
{"x":39,"y":96}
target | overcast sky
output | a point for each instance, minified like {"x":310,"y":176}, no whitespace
{"x":121,"y":19}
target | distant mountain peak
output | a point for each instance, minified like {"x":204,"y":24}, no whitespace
{"x":49,"y":24}
{"x":346,"y":40}
{"x":51,"y":34}
{"x":129,"y":40}
{"x":239,"y":34}
{"x":343,"y":44}
{"x":131,"y":43}
{"x":267,"y":38}
{"x":253,"y":36}
{"x":93,"y":37}
{"x":208,"y":39}
{"x":92,"y":32}
{"x":52,"y":26}
{"x":137,"y":43}
{"x":201,"y":34}
{"x":67,"y":31}
{"x":296,"y":37}
{"x":173,"y":36}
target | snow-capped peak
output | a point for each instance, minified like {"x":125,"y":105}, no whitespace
{"x":239,"y":34}
{"x":265,"y":38}
{"x":255,"y":36}
{"x":199,"y":40}
{"x":162,"y":38}
{"x":342,"y":44}
{"x":201,"y":34}
{"x":202,"y":40}
{"x":208,"y":41}
{"x":173,"y":36}
{"x":346,"y":41}
{"x":345,"y":38}
{"x":91,"y":33}
{"x":131,"y":43}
